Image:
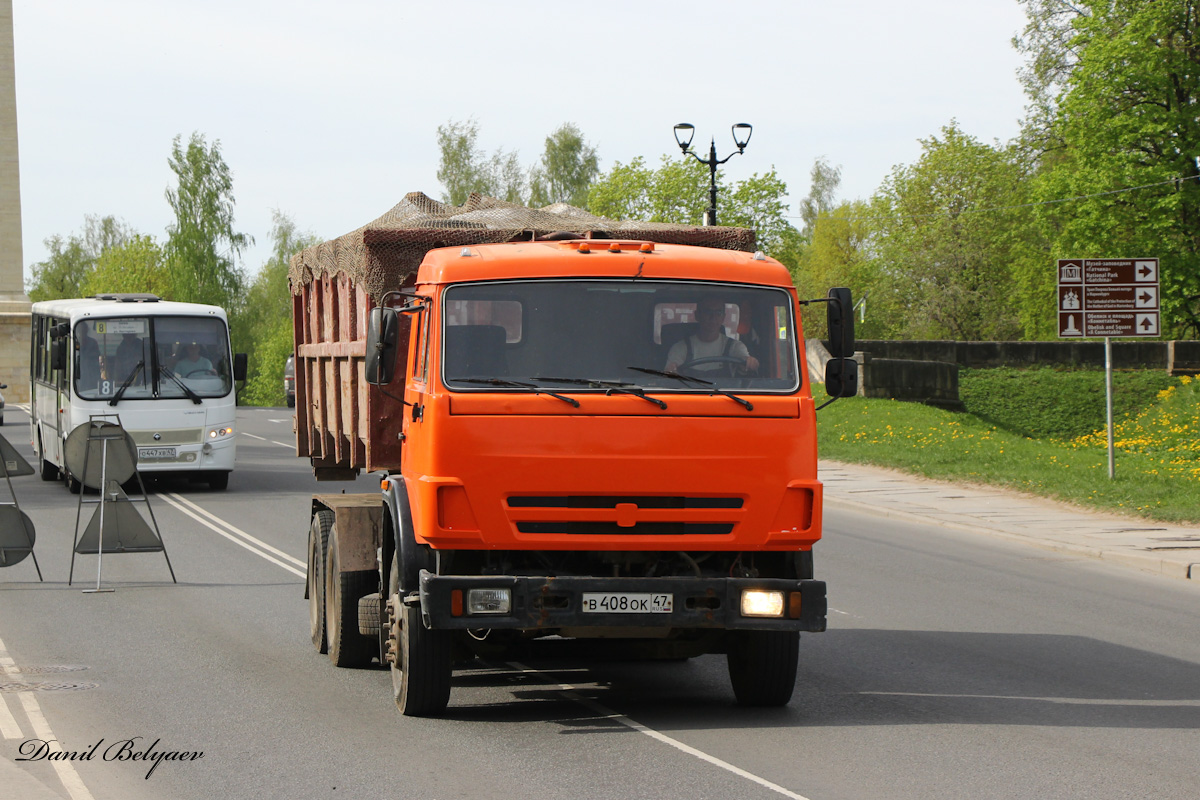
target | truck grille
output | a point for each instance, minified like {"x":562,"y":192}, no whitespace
{"x":625,"y":515}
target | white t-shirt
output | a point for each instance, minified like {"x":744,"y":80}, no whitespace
{"x":700,"y":349}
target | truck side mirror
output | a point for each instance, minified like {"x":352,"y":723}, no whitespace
{"x":383,"y":333}
{"x":839,"y":317}
{"x":239,"y":366}
{"x":841,"y":377}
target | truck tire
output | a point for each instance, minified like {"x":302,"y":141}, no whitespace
{"x":314,"y":589}
{"x":762,"y":666}
{"x":347,"y":647}
{"x":421,"y":663}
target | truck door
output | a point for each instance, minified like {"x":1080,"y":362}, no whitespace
{"x":416,"y":387}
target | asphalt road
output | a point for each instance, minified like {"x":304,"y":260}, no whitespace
{"x":955,"y":666}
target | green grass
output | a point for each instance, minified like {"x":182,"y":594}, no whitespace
{"x":1157,"y":460}
{"x":1048,"y":403}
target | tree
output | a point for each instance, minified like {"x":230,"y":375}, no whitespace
{"x":137,"y":265}
{"x":202,"y":245}
{"x":263,"y":329}
{"x":464,"y":168}
{"x":838,"y":253}
{"x":1126,"y":118}
{"x":825,"y":180}
{"x":945,"y":247}
{"x":678,"y":192}
{"x":71,"y":260}
{"x":568,"y":168}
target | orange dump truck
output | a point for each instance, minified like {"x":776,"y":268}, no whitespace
{"x":593,"y":442}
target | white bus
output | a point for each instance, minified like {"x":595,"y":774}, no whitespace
{"x":164,"y":368}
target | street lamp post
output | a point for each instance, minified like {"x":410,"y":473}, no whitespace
{"x":684,"y":132}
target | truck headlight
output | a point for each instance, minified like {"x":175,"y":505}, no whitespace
{"x":760,"y":603}
{"x":489,"y":601}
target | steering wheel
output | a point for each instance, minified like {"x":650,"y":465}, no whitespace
{"x":201,"y":371}
{"x":743,"y":378}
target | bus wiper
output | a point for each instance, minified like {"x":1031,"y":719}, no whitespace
{"x":195,"y":398}
{"x":679,"y":376}
{"x":610,"y":387}
{"x":116,"y":398}
{"x":518,"y":385}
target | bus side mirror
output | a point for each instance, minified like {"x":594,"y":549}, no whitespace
{"x":239,"y":366}
{"x":58,"y":354}
{"x":383,"y":333}
{"x":839,"y":319}
{"x":841,"y":377}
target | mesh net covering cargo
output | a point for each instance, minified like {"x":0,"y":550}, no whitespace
{"x":380,"y":255}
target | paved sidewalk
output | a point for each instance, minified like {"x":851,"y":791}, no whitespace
{"x":1172,"y":550}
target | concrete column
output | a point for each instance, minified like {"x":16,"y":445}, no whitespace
{"x":14,"y":304}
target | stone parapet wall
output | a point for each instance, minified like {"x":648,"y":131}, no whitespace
{"x":1175,"y":356}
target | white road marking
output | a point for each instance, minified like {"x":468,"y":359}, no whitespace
{"x":41,"y":730}
{"x":570,"y":693}
{"x":269,"y":441}
{"x":234,"y":534}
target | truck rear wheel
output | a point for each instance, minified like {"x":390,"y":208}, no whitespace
{"x":318,"y":537}
{"x":762,"y":666}
{"x":420,"y":658}
{"x":347,"y":647}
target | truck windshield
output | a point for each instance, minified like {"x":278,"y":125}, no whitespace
{"x":152,"y":358}
{"x":586,"y":335}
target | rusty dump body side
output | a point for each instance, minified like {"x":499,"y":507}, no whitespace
{"x":343,"y":423}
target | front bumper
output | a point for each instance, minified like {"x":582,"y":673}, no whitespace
{"x":540,"y":603}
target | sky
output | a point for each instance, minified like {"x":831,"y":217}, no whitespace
{"x":328,"y":111}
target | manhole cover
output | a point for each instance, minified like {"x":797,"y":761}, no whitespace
{"x":44,"y":686}
{"x":46,"y":668}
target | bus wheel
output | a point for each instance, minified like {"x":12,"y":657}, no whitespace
{"x":762,"y":666}
{"x":420,"y":658}
{"x":218,"y":481}
{"x":49,"y":468}
{"x":314,"y":590}
{"x":73,"y":486}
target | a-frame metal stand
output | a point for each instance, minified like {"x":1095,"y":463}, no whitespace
{"x":16,"y":528}
{"x":122,"y":529}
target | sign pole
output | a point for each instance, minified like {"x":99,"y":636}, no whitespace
{"x":1108,"y":403}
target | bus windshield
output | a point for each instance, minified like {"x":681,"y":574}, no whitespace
{"x":153,"y":357}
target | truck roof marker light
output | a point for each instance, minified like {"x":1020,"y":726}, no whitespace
{"x":647,"y":247}
{"x":614,"y":248}
{"x":759,"y":255}
{"x":465,"y":253}
{"x":385,"y":484}
{"x":584,"y":247}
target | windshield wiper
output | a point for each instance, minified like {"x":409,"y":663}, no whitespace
{"x":609,"y":387}
{"x":518,"y":385}
{"x":195,"y":398}
{"x":712,"y":387}
{"x":133,"y":374}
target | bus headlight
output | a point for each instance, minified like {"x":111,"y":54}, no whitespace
{"x":759,"y":603}
{"x":220,"y":433}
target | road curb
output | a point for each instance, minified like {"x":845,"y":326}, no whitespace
{"x":1143,"y":561}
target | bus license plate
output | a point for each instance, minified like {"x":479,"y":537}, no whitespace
{"x":157,"y":454}
{"x":628,"y":603}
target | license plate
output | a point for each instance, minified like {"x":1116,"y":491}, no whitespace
{"x":628,"y":603}
{"x":157,"y":454}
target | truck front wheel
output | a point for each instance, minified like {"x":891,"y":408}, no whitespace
{"x":420,"y":658}
{"x":762,"y":666}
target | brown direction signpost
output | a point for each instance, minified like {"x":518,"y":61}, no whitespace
{"x":1108,"y":297}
